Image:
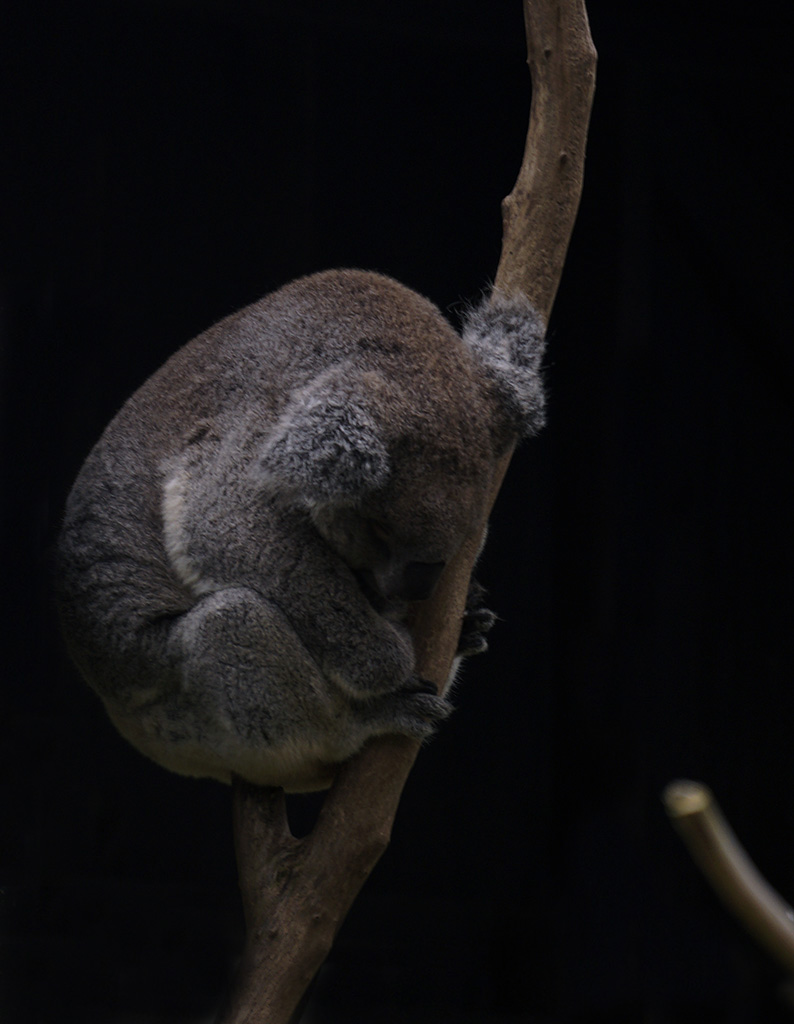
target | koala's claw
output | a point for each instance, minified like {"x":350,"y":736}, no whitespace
{"x":424,"y":686}
{"x":424,"y":714}
{"x":422,"y":696}
{"x":431,"y":706}
{"x":477,"y":621}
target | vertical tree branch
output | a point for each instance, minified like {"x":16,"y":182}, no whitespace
{"x":297,"y":892}
{"x":539,"y":214}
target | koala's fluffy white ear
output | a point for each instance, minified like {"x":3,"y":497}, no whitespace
{"x":326,"y":446}
{"x":507,"y":337}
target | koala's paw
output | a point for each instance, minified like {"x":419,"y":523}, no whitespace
{"x":477,"y":621}
{"x":418,"y":708}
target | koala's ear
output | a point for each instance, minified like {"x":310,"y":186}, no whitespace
{"x":507,"y":336}
{"x":326,"y":446}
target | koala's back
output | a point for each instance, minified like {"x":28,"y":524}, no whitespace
{"x":238,"y":547}
{"x":202,"y":417}
{"x":250,"y":362}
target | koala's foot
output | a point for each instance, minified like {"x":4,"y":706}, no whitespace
{"x":477,"y":622}
{"x":419,"y":711}
{"x":413,"y":711}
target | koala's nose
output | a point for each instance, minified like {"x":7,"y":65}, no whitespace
{"x":419,"y":580}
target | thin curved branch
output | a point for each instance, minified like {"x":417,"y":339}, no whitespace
{"x":724,"y":861}
{"x":297,"y":892}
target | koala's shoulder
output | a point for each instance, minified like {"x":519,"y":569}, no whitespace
{"x":348,"y":313}
{"x":257,"y":357}
{"x":310,"y":324}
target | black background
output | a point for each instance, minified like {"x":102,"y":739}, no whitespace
{"x":167,"y":162}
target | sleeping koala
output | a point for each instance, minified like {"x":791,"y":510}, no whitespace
{"x":241,"y":548}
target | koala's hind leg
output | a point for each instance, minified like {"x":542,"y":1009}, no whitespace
{"x":249,"y":698}
{"x":239,"y":657}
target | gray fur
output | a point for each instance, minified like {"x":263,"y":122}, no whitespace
{"x":326,"y":445}
{"x":240,"y":548}
{"x":508,"y":336}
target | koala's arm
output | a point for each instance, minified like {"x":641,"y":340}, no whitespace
{"x":359,"y":650}
{"x":230,"y":535}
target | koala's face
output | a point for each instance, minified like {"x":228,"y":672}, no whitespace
{"x":397,"y":545}
{"x":389,"y":567}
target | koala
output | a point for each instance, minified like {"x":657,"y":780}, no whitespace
{"x":241,"y":548}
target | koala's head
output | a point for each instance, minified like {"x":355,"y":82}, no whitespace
{"x":392,"y":484}
{"x":390,"y":441}
{"x":389,"y":566}
{"x":398,"y":539}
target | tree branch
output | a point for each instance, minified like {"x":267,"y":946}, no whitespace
{"x":539,"y":214}
{"x":297,"y":892}
{"x":724,"y":861}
